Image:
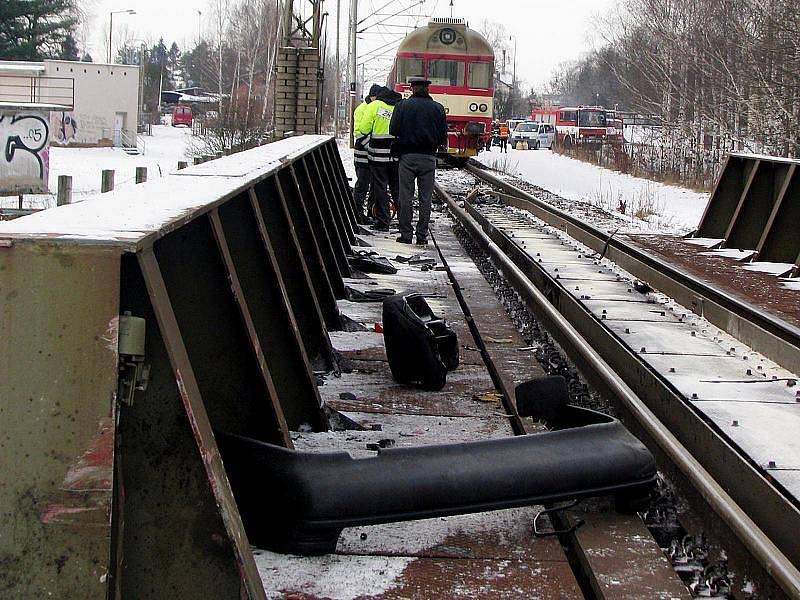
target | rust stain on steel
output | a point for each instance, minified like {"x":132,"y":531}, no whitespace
{"x":93,"y":471}
{"x":762,"y":289}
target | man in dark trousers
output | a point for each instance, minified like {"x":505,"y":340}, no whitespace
{"x":375,"y":124}
{"x":420,"y":127}
{"x":361,"y":156}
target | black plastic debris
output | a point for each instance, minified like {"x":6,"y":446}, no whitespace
{"x":371,"y":262}
{"x":420,"y":347}
{"x":373,"y":295}
{"x":298,"y":502}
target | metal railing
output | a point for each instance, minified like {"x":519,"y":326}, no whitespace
{"x":27,"y":89}
{"x":132,"y":140}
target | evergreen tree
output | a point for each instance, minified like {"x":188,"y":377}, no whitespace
{"x":35,"y":29}
{"x":69,"y":49}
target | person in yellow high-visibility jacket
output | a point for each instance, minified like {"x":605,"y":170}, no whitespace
{"x":361,"y":156}
{"x":375,"y":123}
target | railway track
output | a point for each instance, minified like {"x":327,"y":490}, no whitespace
{"x":715,"y":409}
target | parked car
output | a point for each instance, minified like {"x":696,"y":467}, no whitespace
{"x":182,"y":115}
{"x":538,"y":135}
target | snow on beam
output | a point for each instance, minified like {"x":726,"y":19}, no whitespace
{"x":130,"y":215}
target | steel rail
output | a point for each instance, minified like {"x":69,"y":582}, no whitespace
{"x":763,"y":550}
{"x":763,"y":332}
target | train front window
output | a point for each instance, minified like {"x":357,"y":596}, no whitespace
{"x":591,"y":119}
{"x":442,"y":71}
{"x":479,"y":75}
{"x":409,"y":67}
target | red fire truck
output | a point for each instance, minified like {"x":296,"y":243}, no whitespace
{"x":575,"y":125}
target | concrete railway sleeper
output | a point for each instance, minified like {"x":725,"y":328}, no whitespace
{"x":759,"y":520}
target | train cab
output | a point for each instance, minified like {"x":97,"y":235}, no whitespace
{"x":459,"y":62}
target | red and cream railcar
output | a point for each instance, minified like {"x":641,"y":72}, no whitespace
{"x":459,"y":62}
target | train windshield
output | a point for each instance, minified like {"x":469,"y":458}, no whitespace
{"x":591,"y":119}
{"x":409,"y":67}
{"x":480,"y":75}
{"x":443,"y":71}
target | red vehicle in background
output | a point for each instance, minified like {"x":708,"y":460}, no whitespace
{"x":182,"y":115}
{"x":575,"y":125}
{"x":615,"y":128}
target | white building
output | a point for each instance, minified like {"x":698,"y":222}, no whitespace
{"x":104,"y":99}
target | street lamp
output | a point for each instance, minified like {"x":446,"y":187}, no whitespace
{"x":514,"y":76}
{"x":199,"y":15}
{"x":129,"y":11}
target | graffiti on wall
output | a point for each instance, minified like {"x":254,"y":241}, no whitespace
{"x":24,"y":152}
{"x":84,"y":129}
{"x":64,"y":127}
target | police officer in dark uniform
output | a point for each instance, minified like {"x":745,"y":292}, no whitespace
{"x":420,"y":127}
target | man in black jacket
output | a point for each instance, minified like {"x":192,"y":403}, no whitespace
{"x":420,"y":127}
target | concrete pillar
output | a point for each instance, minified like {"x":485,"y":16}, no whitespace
{"x":182,"y":164}
{"x":197,"y":160}
{"x":64,"y":190}
{"x":107,"y":181}
{"x":141,"y":174}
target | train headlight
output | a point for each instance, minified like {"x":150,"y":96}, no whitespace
{"x":473,"y":107}
{"x":484,"y":108}
{"x":447,"y":36}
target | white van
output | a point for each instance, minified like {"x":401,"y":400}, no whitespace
{"x":538,"y":135}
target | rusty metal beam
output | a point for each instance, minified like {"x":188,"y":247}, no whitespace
{"x":330,"y":154}
{"x":326,"y":194}
{"x":201,"y":427}
{"x":279,"y":420}
{"x":276,"y":225}
{"x":779,"y":242}
{"x":332,"y":196}
{"x":333,"y":255}
{"x":328,"y":285}
{"x":313,"y":193}
{"x":724,"y":198}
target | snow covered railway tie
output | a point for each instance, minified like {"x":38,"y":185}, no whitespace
{"x":676,"y":344}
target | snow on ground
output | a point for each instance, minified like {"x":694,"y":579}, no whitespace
{"x":347,"y":158}
{"x":163,"y":150}
{"x":674,"y":209}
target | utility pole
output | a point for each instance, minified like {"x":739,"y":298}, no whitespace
{"x":287,"y":22}
{"x":514,"y":79}
{"x":337,"y":93}
{"x":353,"y":60}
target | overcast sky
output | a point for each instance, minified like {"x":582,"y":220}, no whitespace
{"x":547,"y":32}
